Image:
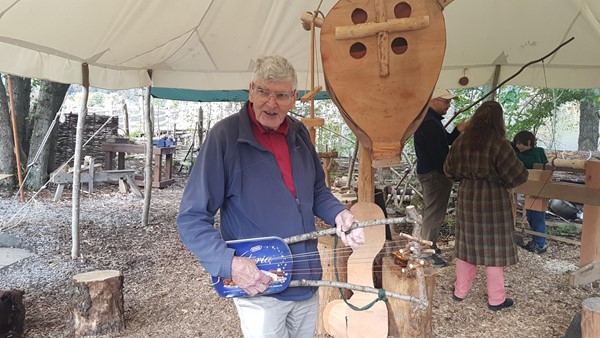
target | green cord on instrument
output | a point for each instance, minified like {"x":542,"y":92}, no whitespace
{"x":380,"y":296}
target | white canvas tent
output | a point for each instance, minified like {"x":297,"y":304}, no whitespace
{"x":211,"y":44}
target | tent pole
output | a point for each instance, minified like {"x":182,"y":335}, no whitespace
{"x":148,"y":155}
{"x":15,"y":136}
{"x":85,"y":74}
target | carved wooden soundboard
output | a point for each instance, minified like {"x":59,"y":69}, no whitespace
{"x":381,"y":60}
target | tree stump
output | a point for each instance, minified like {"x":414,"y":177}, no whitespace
{"x":12,"y":313}
{"x":326,"y":295}
{"x":404,"y":322}
{"x":590,"y":318}
{"x":98,"y":303}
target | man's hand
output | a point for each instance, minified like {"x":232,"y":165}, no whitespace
{"x":343,"y":222}
{"x":247,"y":276}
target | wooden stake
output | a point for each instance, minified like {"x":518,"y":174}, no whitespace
{"x":15,"y":137}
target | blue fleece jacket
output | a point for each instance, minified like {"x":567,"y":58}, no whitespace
{"x":236,"y":174}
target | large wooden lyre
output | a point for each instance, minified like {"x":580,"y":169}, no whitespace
{"x":381,"y":60}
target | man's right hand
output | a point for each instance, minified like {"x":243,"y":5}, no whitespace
{"x":248,"y":277}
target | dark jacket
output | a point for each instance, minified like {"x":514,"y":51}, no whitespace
{"x":239,"y":177}
{"x":431,"y":143}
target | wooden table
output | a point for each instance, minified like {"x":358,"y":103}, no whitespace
{"x":161,"y":179}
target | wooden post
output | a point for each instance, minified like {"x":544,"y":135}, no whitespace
{"x":403,"y":320}
{"x":590,"y":318}
{"x":98,"y":303}
{"x":535,"y":202}
{"x":589,"y":260}
{"x":13,"y":117}
{"x":12,"y":313}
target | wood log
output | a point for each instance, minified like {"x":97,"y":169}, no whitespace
{"x":590,"y":318}
{"x":404,"y":321}
{"x":98,"y":303}
{"x":326,"y":295}
{"x":12,"y":313}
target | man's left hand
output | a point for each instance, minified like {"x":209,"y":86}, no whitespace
{"x":343,"y":222}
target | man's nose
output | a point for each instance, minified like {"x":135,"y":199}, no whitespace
{"x":271,"y":101}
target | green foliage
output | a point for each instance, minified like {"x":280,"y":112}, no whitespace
{"x":96,"y":99}
{"x":136,"y":134}
{"x":335,"y":135}
{"x":525,"y":108}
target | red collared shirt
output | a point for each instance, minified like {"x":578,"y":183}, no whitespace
{"x":275,"y":142}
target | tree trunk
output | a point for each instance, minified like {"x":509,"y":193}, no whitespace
{"x":21,"y":94}
{"x":588,"y":126}
{"x":98,"y":307}
{"x":7,"y":153}
{"x":51,"y":97}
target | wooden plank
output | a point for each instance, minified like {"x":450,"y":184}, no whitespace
{"x":560,"y":190}
{"x":585,"y":275}
{"x":135,"y":148}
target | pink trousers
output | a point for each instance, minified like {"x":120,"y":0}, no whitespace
{"x":465,"y":274}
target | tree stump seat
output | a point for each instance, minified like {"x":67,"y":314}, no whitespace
{"x":98,"y":303}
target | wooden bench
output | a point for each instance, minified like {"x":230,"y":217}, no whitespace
{"x":126,"y":179}
{"x":162,"y":174}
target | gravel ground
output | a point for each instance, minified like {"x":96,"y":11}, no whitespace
{"x":167,"y":293}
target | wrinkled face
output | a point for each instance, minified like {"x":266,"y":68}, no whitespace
{"x":272,"y":101}
{"x":440,"y":105}
{"x":522,"y":147}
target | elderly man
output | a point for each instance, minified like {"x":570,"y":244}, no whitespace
{"x":431,"y":146}
{"x":260,"y":169}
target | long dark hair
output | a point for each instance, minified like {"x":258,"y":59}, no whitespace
{"x":486,"y":124}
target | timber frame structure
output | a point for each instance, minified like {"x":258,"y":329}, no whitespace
{"x":540,"y":187}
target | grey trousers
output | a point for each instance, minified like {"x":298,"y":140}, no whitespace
{"x":267,"y":317}
{"x":436,"y":193}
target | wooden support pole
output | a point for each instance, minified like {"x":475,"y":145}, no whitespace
{"x":13,"y":117}
{"x":589,"y":261}
{"x":98,"y":303}
{"x":366,"y":175}
{"x":76,"y":196}
{"x":590,"y":318}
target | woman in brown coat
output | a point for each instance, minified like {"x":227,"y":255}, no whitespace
{"x":485,"y":164}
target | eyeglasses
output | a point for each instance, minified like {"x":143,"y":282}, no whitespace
{"x":280,"y":98}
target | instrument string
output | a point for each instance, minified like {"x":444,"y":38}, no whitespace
{"x":343,"y":253}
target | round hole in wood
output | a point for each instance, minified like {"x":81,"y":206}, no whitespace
{"x":402,"y":10}
{"x":359,"y":15}
{"x":358,"y":50}
{"x":399,"y":45}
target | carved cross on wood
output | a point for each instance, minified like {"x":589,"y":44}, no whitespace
{"x":381,"y":27}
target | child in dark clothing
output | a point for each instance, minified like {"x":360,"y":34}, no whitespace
{"x":529,"y":154}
